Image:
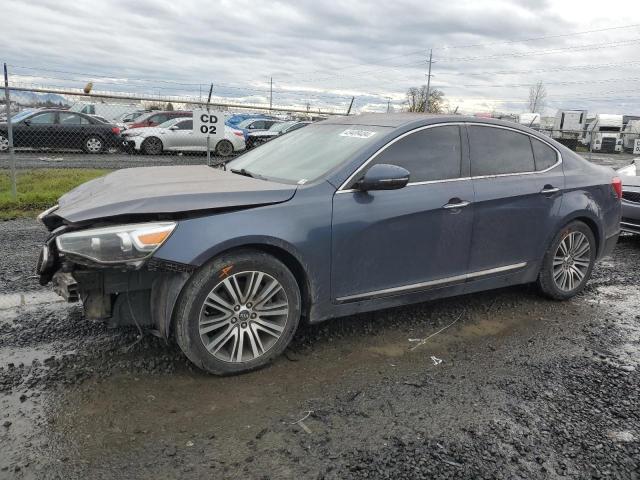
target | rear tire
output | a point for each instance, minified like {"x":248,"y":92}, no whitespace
{"x":568,"y":263}
{"x":238,"y":312}
{"x":152,"y":146}
{"x":93,"y":144}
{"x":224,"y":148}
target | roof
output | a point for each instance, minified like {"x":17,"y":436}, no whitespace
{"x":396,"y":120}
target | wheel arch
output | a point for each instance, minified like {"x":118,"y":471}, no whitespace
{"x":150,"y":137}
{"x":278,"y":249}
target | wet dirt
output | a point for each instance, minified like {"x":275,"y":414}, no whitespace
{"x":526,"y":388}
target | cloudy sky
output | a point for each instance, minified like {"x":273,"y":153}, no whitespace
{"x":486,"y":53}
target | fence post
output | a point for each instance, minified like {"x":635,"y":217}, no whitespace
{"x":12,"y":158}
{"x":208,"y":138}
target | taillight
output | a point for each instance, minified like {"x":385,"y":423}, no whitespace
{"x":616,"y":183}
{"x":115,"y":130}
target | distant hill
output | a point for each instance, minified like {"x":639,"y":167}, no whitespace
{"x":34,"y":99}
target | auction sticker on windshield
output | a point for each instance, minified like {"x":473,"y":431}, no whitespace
{"x":208,"y":123}
{"x":357,"y":133}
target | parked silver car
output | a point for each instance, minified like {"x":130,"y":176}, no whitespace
{"x":177,"y":135}
{"x":630,"y":198}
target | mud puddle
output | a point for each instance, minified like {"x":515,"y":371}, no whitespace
{"x":121,"y":413}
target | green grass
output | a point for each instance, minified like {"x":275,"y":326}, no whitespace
{"x":40,"y":189}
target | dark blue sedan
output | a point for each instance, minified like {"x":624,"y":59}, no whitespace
{"x":347,"y":215}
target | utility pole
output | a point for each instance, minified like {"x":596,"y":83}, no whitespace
{"x":426,"y":101}
{"x":271,"y":93}
{"x":388,"y":104}
{"x":12,"y":158}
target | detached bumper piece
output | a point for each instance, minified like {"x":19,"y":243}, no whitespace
{"x":630,"y":225}
{"x":66,"y":286}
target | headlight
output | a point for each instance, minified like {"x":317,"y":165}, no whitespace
{"x":629,"y":170}
{"x":116,"y":245}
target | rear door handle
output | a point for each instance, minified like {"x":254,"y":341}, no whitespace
{"x":458,"y":204}
{"x":549,"y":189}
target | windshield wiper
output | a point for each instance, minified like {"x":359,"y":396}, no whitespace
{"x":242,"y":171}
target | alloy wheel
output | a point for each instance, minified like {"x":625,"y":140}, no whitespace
{"x":94,"y":145}
{"x":243,"y":316}
{"x":4,"y":143}
{"x":571,"y":261}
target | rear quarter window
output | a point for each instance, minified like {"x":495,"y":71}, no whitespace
{"x":498,"y":151}
{"x":545,"y":156}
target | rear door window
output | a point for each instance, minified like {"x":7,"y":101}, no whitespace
{"x":498,"y":151}
{"x":48,"y":118}
{"x":545,"y":156}
{"x":429,"y":155}
{"x":73,"y":119}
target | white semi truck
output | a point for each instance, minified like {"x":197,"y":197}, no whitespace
{"x":568,"y":127}
{"x":603,"y":134}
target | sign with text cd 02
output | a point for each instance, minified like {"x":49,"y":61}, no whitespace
{"x":208,"y":123}
{"x":636,"y":146}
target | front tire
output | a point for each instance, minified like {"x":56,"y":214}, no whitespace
{"x":569,"y":261}
{"x":238,"y":312}
{"x":152,"y":146}
{"x":4,"y":143}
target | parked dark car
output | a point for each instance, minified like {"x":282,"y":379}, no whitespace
{"x":256,"y":125}
{"x":263,"y":136}
{"x":153,"y":119}
{"x":344,"y":216}
{"x":630,"y":198}
{"x":60,"y":129}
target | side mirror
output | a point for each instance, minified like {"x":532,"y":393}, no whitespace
{"x":27,"y":122}
{"x":173,"y":127}
{"x":383,"y":177}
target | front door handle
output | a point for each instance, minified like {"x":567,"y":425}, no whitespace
{"x":548,"y":189}
{"x":456,"y":203}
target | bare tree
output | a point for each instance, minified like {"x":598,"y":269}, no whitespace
{"x":416,"y":97}
{"x":537,"y":97}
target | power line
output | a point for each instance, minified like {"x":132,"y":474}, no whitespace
{"x":589,"y":66}
{"x":448,"y":47}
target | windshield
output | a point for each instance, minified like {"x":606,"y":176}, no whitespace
{"x":279,"y":127}
{"x":170,"y":123}
{"x":19,"y":116}
{"x":306,"y":154}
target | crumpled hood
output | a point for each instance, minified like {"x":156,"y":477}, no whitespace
{"x":158,"y":190}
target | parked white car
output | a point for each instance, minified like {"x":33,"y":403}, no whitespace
{"x":177,"y":135}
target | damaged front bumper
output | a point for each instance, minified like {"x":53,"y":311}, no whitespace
{"x":142,"y":293}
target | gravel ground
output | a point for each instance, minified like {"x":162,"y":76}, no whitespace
{"x":29,"y":160}
{"x":517,"y":387}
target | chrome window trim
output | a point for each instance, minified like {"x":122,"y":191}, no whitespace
{"x":432,"y":283}
{"x":477,"y":177}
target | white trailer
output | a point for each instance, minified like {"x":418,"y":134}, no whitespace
{"x":604,"y":133}
{"x":630,"y":134}
{"x":110,"y":111}
{"x":568,"y":127}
